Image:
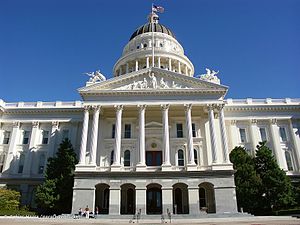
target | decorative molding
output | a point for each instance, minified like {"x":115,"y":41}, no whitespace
{"x":16,"y":124}
{"x":35,"y":124}
{"x":274,"y":121}
{"x":141,"y":107}
{"x":165,"y":107}
{"x":96,"y":108}
{"x":118,"y":107}
{"x":187,"y":107}
{"x":233,"y":122}
{"x":253,"y":121}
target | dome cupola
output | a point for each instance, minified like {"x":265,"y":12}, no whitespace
{"x":156,"y":38}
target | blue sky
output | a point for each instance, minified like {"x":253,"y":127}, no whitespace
{"x":45,"y":46}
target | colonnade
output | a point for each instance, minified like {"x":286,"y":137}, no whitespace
{"x":216,"y":159}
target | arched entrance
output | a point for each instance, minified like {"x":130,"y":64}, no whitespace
{"x":102,"y":198}
{"x":127,"y":199}
{"x":180,"y":199}
{"x":207,"y":197}
{"x":154,"y":199}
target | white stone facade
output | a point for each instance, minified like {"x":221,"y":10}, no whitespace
{"x":151,"y":140}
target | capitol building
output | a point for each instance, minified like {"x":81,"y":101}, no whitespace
{"x":153,"y":139}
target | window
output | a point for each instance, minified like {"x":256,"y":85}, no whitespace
{"x":113,"y":130}
{"x":202,"y":197}
{"x":180,"y":157}
{"x":127,"y":133}
{"x":112,"y":157}
{"x":243,"y":135}
{"x":194,"y":130}
{"x":196,"y":156}
{"x":289,"y":162}
{"x":161,"y":45}
{"x":6,"y":137}
{"x":127,"y":158}
{"x":263,"y":134}
{"x":65,"y":134}
{"x":41,"y":164}
{"x":179,"y":129}
{"x":45,"y":137}
{"x":26,"y":135}
{"x":145,"y":45}
{"x":2,"y":158}
{"x":282,"y":134}
{"x":21,"y":163}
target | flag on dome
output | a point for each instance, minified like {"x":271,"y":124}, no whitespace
{"x":159,"y":9}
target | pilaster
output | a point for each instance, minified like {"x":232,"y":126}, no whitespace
{"x":114,"y":201}
{"x":167,"y":199}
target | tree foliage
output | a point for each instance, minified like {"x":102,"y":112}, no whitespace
{"x":9,"y":199}
{"x":55,"y":194}
{"x":261,"y":186}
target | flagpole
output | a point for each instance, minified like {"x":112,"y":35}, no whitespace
{"x":152,"y":28}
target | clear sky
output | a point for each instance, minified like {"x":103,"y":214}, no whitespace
{"x":46,"y":46}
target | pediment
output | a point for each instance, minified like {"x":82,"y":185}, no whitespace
{"x":153,"y":125}
{"x":152,"y":80}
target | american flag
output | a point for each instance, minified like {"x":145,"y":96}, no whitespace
{"x":159,"y":9}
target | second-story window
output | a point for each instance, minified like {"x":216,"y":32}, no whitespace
{"x":282,"y":134}
{"x":26,"y":135}
{"x":127,"y":158}
{"x":45,"y":138}
{"x":6,"y":137}
{"x":196,"y":156}
{"x":179,"y":130}
{"x":194,"y":130}
{"x":180,"y":156}
{"x":21,"y":163}
{"x":127,"y":132}
{"x":243,"y":135}
{"x":113,"y":130}
{"x":112,"y":157}
{"x":263,"y":134}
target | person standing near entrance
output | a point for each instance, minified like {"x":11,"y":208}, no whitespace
{"x":87,"y":212}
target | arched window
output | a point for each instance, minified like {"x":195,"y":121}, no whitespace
{"x":202,"y":197}
{"x":127,"y":158}
{"x":180,"y":156}
{"x":112,"y":157}
{"x":196,"y":156}
{"x":289,"y":162}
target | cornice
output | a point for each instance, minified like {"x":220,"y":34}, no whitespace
{"x":230,"y":108}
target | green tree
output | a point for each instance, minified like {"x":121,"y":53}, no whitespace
{"x":276,"y":192}
{"x":9,"y":199}
{"x":246,"y":180}
{"x":55,"y":194}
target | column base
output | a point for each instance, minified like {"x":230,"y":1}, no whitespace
{"x":141,"y":167}
{"x":115,"y":168}
{"x":192,"y":167}
{"x":166,"y":167}
{"x":89,"y":167}
{"x":219,"y":166}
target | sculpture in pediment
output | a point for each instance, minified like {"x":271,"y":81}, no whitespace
{"x":210,"y":76}
{"x":96,"y":76}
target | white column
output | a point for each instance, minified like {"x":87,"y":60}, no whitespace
{"x":141,"y":135}
{"x":85,"y":126}
{"x":147,"y":62}
{"x":94,"y":135}
{"x":52,"y":141}
{"x":31,"y":148}
{"x":117,"y":147}
{"x":136,"y":65}
{"x":233,"y":134}
{"x":166,"y":137}
{"x":212,"y":133}
{"x":12,"y":147}
{"x":253,"y":135}
{"x":127,"y":67}
{"x":158,"y":62}
{"x":179,"y":67}
{"x":189,"y":134}
{"x":170,"y":64}
{"x":295,"y":135}
{"x":120,"y":71}
{"x":186,"y":70}
{"x":279,"y":153}
{"x":223,"y":135}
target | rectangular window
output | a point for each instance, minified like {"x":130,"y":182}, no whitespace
{"x":45,"y":137}
{"x":127,"y":133}
{"x":179,"y":129}
{"x":21,"y":163}
{"x":26,"y":135}
{"x":243,"y":135}
{"x":2,"y":158}
{"x":194,"y":130}
{"x":65,"y":134}
{"x":113,"y":131}
{"x":282,"y":134}
{"x":263,"y":134}
{"x":6,"y":137}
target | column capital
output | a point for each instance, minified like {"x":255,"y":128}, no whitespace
{"x":16,"y":124}
{"x":35,"y":124}
{"x":233,"y":122}
{"x":253,"y":121}
{"x":86,"y":107}
{"x":142,"y":107}
{"x":187,"y":107}
{"x":164,"y":107}
{"x":273,"y":121}
{"x":118,"y":107}
{"x":220,"y":106}
{"x":55,"y":123}
{"x":96,"y":107}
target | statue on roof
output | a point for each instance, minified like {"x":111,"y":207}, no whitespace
{"x":96,"y":76}
{"x":210,"y":76}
